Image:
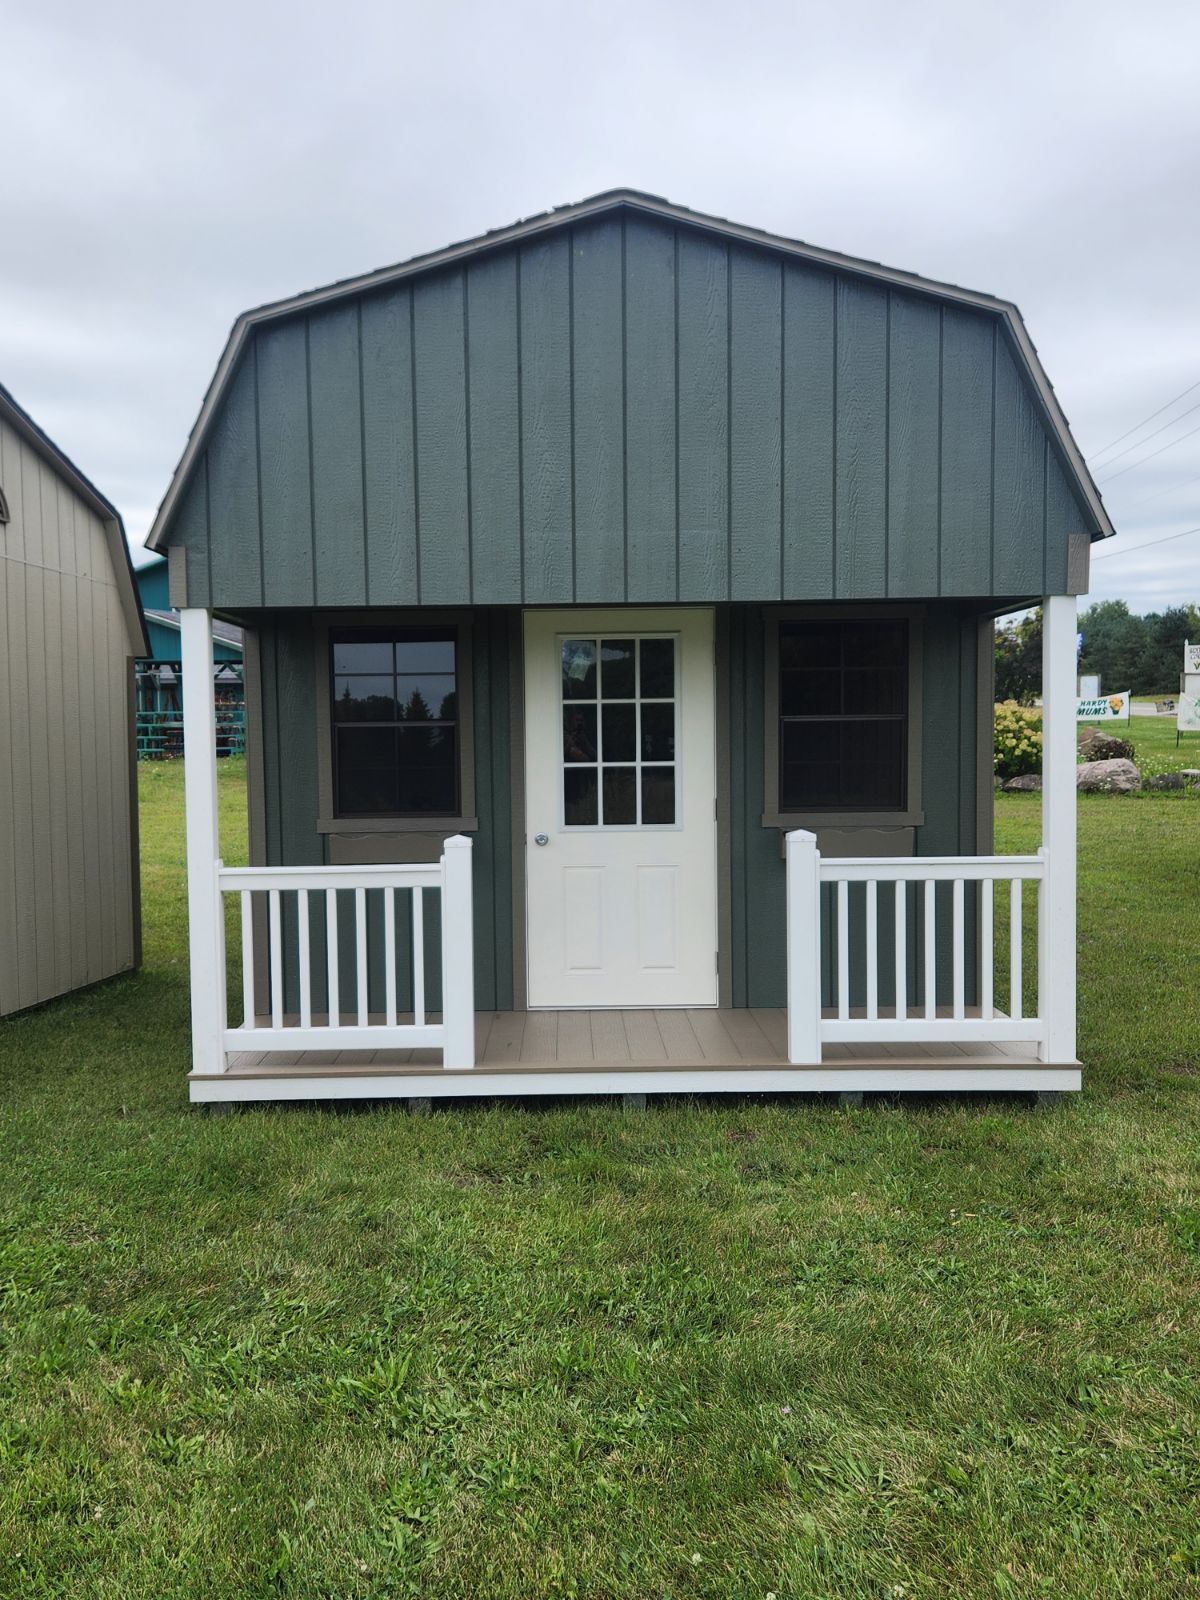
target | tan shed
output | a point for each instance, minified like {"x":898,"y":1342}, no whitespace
{"x":70,"y":628}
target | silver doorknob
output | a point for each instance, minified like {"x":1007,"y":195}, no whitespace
{"x":541,"y":838}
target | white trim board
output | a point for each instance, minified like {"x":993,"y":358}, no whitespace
{"x":230,"y":1089}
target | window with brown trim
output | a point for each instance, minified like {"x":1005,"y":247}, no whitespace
{"x":395,"y":722}
{"x":843,"y":715}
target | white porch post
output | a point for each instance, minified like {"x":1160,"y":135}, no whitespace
{"x":458,"y":955}
{"x":803,"y":889}
{"x":206,"y":922}
{"x":1056,"y":922}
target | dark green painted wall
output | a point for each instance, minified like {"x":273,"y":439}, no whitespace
{"x":627,"y":410}
{"x":288,"y":681}
{"x":291,"y":807}
{"x":948,"y":791}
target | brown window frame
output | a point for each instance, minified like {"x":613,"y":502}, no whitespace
{"x":910,"y":813}
{"x":394,"y":624}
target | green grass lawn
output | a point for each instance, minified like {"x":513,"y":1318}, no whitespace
{"x":1153,"y":740}
{"x":719,"y":1349}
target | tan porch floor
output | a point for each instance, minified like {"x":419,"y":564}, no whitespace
{"x":546,"y":1041}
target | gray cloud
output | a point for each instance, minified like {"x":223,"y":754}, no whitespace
{"x":167,"y":168}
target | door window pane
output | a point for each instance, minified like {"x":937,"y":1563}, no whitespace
{"x":658,"y":669}
{"x":622,"y":690}
{"x":616,"y":669}
{"x":579,"y":669}
{"x":620,"y":796}
{"x":620,"y":736}
{"x":579,"y":733}
{"x":658,"y":794}
{"x":580,"y":796}
{"x":658,"y":733}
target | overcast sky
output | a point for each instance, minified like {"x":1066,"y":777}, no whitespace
{"x":167,"y":167}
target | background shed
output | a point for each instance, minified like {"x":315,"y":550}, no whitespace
{"x":70,"y":628}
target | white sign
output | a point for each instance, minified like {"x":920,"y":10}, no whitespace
{"x":1104,"y":708}
{"x":1191,"y":657}
{"x":1187,"y":718}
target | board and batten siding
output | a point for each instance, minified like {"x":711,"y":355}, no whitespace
{"x":753,"y":944}
{"x":286,"y":805}
{"x":627,"y":409}
{"x":951,"y":728}
{"x":68,"y":878}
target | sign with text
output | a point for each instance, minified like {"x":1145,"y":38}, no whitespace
{"x":1191,"y":657}
{"x":1187,"y":718}
{"x":1103,"y":708}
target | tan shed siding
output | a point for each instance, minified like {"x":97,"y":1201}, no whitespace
{"x":66,"y":867}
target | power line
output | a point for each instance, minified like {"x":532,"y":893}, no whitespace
{"x":1110,"y":555}
{"x":1137,"y":445}
{"x":1141,"y":461}
{"x":1166,"y":489}
{"x":1122,"y":436}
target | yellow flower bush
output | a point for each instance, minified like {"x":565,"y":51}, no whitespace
{"x":1018,"y":740}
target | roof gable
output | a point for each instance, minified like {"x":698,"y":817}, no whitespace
{"x":500,"y":421}
{"x":114,"y":528}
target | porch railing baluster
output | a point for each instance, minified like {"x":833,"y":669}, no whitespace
{"x":838,"y":922}
{"x":389,"y":954}
{"x":453,"y":1033}
{"x":418,"y":948}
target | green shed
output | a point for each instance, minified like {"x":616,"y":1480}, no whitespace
{"x":618,"y":593}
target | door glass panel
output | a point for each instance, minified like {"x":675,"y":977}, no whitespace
{"x":620,"y":796}
{"x":579,"y":733}
{"x":616,"y":672}
{"x":579,"y":669}
{"x":658,"y":669}
{"x":658,"y":794}
{"x":579,"y":793}
{"x":619,"y":712}
{"x":658,"y":733}
{"x":620,"y":732}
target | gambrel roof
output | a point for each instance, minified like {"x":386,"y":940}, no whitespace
{"x":708,"y":386}
{"x":114,"y":528}
{"x":651,"y":205}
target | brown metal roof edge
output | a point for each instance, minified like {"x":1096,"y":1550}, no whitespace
{"x":114,"y":526}
{"x":652,"y":205}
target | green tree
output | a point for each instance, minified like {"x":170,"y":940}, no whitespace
{"x":1019,"y":659}
{"x":1113,"y":641}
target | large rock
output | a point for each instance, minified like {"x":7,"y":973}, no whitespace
{"x":1097,"y":746}
{"x":1025,"y":784}
{"x":1108,"y":777}
{"x":1167,"y":780}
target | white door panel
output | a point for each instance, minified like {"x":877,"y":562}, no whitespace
{"x":620,"y":774}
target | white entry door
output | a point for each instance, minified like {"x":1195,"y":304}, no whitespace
{"x":620,"y":785}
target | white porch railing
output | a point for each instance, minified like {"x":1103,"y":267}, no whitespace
{"x":296,"y":899}
{"x":884,"y":925}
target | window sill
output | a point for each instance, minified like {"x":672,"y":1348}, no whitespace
{"x":397,"y":824}
{"x":843,"y":819}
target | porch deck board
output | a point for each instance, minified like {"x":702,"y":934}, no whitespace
{"x":626,"y":1041}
